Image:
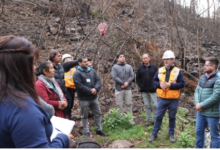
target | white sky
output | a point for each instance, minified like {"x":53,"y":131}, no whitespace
{"x":202,"y":5}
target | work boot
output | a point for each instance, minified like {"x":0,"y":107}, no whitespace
{"x":172,"y":139}
{"x":101,"y":133}
{"x":149,"y":123}
{"x":87,"y":134}
{"x":152,"y":138}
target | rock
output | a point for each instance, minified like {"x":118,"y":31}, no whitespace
{"x":82,"y":23}
{"x":57,"y":20}
{"x":77,"y":117}
{"x":191,"y":102}
{"x":182,"y":96}
{"x":121,"y":144}
{"x":195,"y":73}
{"x":123,"y":12}
{"x":131,"y":12}
{"x":136,"y":95}
{"x":48,"y":34}
{"x":54,"y":29}
{"x":72,"y":29}
{"x":195,"y":64}
{"x":136,"y":107}
{"x":80,"y":124}
{"x":106,"y":102}
{"x":76,"y":38}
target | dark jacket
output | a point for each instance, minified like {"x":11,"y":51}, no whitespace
{"x":208,"y":94}
{"x":27,"y":127}
{"x":85,"y":81}
{"x":144,"y":77}
{"x":60,"y":69}
{"x":174,"y":86}
{"x":122,"y":73}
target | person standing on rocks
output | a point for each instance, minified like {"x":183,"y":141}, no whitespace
{"x":207,"y":98}
{"x":88,"y":85}
{"x":123,"y":75}
{"x":168,"y":81}
{"x":60,"y":69}
{"x":144,"y":78}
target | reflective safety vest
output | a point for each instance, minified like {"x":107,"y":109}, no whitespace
{"x":168,"y":93}
{"x":68,"y":78}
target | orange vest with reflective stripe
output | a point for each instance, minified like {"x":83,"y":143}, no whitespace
{"x":168,"y":93}
{"x":68,"y":78}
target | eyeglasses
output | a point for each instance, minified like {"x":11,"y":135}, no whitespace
{"x":207,"y":65}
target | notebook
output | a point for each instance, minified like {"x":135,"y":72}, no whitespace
{"x":61,"y":125}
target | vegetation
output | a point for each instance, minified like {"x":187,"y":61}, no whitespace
{"x":114,"y":120}
{"x":139,"y":134}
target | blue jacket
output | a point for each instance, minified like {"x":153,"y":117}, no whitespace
{"x":28,"y":126}
{"x":208,"y":94}
{"x":174,"y":86}
{"x":85,"y":81}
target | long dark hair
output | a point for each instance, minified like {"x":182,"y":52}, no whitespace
{"x":17,"y":56}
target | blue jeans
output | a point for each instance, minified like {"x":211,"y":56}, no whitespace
{"x":201,"y":123}
{"x":162,"y":106}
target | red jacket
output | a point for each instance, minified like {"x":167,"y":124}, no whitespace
{"x":49,"y":97}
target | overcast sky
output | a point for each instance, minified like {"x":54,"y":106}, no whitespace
{"x":202,"y":5}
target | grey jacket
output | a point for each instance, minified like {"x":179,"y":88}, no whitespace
{"x":122,"y":73}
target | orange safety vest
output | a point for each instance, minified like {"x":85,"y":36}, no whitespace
{"x":68,"y":78}
{"x":168,"y":93}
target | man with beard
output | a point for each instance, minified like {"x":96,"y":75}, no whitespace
{"x":207,"y":97}
{"x":88,"y":85}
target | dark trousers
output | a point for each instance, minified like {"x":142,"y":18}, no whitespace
{"x":70,"y":95}
{"x":162,"y":106}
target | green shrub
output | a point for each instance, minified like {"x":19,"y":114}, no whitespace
{"x":115,"y":120}
{"x":185,"y":140}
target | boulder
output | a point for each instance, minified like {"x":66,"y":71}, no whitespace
{"x":121,"y":144}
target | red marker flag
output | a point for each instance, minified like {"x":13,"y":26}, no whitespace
{"x":102,"y":28}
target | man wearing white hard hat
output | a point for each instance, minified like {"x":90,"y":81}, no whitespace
{"x":168,"y":81}
{"x":70,"y":85}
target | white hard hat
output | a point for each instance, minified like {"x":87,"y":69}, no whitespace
{"x":168,"y":54}
{"x":66,"y":56}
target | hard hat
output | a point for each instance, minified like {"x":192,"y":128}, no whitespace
{"x":168,"y":54}
{"x":66,"y":56}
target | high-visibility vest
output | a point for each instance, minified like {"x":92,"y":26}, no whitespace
{"x":168,"y":93}
{"x":68,"y":78}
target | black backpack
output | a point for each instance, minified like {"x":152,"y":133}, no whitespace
{"x":87,"y":143}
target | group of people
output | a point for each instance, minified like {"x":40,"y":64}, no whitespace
{"x":30,"y":96}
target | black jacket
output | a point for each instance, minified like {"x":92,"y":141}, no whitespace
{"x":144,"y":78}
{"x":85,"y":81}
{"x":60,"y":70}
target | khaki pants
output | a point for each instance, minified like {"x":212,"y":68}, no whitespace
{"x":124,"y":96}
{"x":150,"y":99}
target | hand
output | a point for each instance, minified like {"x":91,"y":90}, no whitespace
{"x":122,"y":86}
{"x":164,"y":85}
{"x":126,"y":84}
{"x":70,"y":136}
{"x":93,"y":90}
{"x":198,"y":107}
{"x":63,"y":104}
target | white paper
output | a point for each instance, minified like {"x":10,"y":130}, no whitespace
{"x":63,"y":125}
